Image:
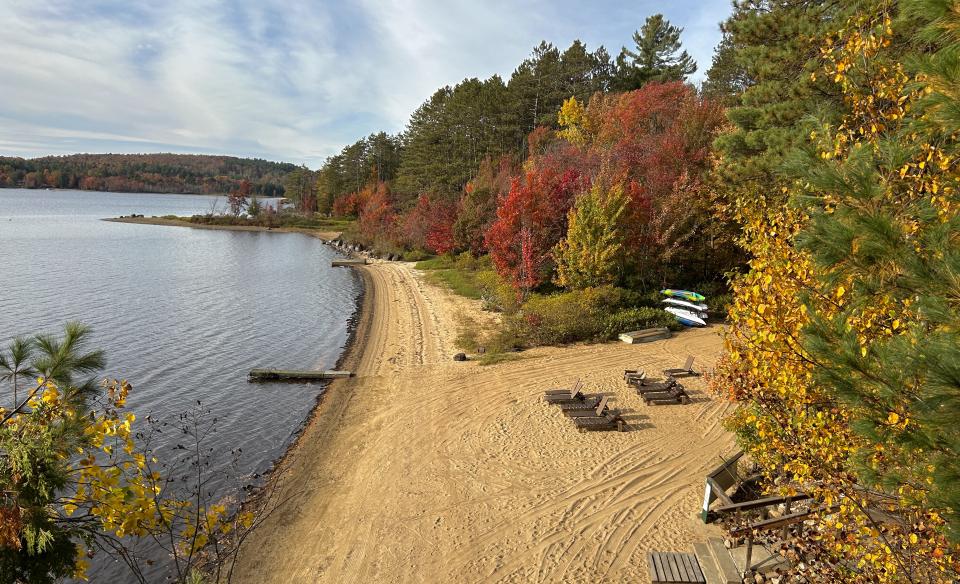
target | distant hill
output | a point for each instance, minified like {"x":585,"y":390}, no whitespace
{"x":145,"y":173}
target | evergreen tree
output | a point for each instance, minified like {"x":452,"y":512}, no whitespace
{"x":657,"y":56}
{"x":773,"y":49}
{"x":726,"y":79}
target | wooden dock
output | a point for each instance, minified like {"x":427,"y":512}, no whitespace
{"x":282,"y":375}
{"x":348,"y":263}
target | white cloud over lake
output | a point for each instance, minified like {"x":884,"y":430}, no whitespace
{"x":292,"y":81}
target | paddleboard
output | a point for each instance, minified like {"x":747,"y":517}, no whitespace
{"x":684,"y":294}
{"x":685,"y":317}
{"x":688,"y":305}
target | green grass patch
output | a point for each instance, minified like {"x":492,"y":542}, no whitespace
{"x":462,"y":283}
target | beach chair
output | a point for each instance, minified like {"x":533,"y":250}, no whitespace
{"x":588,"y":407}
{"x":572,"y":395}
{"x":629,"y":374}
{"x":687,"y":369}
{"x":670,"y":383}
{"x":608,"y":421}
{"x":562,"y":393}
{"x":674,"y":396}
{"x":577,"y":386}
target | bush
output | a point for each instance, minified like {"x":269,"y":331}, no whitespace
{"x":579,"y":315}
{"x":720,"y":305}
{"x":416,"y":255}
{"x":632,"y":319}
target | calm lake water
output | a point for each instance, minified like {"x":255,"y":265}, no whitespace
{"x":182,"y":313}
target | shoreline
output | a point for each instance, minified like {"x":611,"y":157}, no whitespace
{"x":424,"y":469}
{"x":358,"y":325}
{"x":326,"y":236}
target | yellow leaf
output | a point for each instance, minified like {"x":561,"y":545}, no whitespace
{"x":841,"y":291}
{"x":893,"y":418}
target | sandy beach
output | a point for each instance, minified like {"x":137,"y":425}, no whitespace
{"x":423,"y":469}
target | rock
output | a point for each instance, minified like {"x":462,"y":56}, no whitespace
{"x":758,"y":578}
{"x":460,"y":357}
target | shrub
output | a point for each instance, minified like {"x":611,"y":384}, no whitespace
{"x":632,"y":319}
{"x":558,"y":319}
{"x":416,"y":255}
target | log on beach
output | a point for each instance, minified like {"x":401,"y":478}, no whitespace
{"x":347,"y":263}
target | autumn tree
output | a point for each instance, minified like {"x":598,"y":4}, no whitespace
{"x":530,"y":221}
{"x":591,"y":254}
{"x":843,"y":350}
{"x":75,"y":480}
{"x":237,"y":199}
{"x":478,"y":204}
{"x":377,"y":215}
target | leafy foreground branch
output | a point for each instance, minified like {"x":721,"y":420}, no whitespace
{"x":78,"y":479}
{"x":845,"y":342}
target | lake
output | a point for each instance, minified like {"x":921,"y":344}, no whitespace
{"x":182,"y":313}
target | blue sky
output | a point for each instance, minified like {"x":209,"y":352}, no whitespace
{"x":282,"y":80}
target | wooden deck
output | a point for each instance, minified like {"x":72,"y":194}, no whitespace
{"x":673,"y":568}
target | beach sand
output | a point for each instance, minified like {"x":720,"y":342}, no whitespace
{"x":423,"y":469}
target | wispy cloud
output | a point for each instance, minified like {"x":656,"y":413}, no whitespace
{"x":282,"y":80}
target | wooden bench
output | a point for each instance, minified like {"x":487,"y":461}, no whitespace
{"x":673,"y":568}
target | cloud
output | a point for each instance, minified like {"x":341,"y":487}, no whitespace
{"x":279,"y":80}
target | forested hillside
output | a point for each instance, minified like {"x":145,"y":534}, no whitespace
{"x":458,"y":127}
{"x":147,"y":173}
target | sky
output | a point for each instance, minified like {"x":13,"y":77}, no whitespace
{"x":284,"y":80}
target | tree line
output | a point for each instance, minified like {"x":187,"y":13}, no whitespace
{"x":145,"y":173}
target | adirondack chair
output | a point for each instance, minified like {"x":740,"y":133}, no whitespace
{"x":687,"y":369}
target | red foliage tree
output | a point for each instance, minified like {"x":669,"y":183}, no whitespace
{"x":531,"y":219}
{"x":347,"y":205}
{"x":377,"y":220}
{"x":429,"y":225}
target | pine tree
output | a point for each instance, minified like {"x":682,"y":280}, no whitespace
{"x":657,"y":57}
{"x":726,"y":79}
{"x":773,"y":48}
{"x":884,"y":237}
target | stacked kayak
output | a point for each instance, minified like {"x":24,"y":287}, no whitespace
{"x":686,"y":306}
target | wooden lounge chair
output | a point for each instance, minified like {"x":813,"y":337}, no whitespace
{"x":572,"y":390}
{"x":609,"y":421}
{"x":653,"y":388}
{"x":573,"y":395}
{"x":643,"y":381}
{"x":675,"y":396}
{"x":580,"y":410}
{"x":629,"y":374}
{"x":687,"y":369}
